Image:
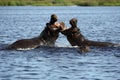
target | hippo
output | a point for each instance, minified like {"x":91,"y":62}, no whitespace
{"x":47,"y":37}
{"x":75,"y":38}
{"x":51,"y":31}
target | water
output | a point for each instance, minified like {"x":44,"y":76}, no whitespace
{"x":96,"y":23}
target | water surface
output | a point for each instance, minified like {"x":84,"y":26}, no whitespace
{"x":96,"y":23}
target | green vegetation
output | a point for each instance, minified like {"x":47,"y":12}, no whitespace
{"x":60,"y":2}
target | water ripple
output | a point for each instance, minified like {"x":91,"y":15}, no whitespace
{"x":60,"y":63}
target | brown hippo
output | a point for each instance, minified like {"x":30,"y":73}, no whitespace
{"x":47,"y":37}
{"x":75,"y":38}
{"x":51,"y":31}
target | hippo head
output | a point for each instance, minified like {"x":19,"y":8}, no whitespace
{"x":62,"y":26}
{"x":73,"y":22}
{"x":53,"y":19}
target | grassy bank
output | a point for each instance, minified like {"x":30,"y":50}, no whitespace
{"x":60,"y":2}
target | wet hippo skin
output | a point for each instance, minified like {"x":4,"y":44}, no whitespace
{"x":75,"y":38}
{"x":47,"y":37}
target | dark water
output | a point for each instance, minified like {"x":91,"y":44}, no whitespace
{"x":96,"y":23}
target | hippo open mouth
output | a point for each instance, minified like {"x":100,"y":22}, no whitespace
{"x":47,"y":37}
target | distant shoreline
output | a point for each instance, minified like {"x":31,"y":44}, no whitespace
{"x":58,"y":6}
{"x":59,"y":2}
